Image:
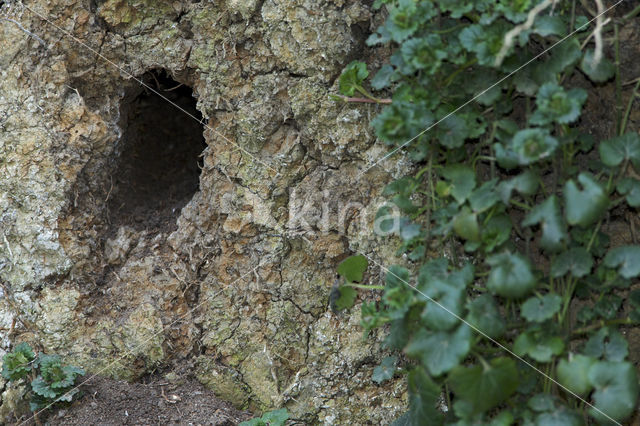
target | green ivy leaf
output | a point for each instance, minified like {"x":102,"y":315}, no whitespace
{"x":447,"y":289}
{"x":485,"y":42}
{"x":406,"y":185}
{"x":409,"y":230}
{"x":560,"y":416}
{"x":457,"y":8}
{"x":515,"y":11}
{"x":484,"y":387}
{"x":574,"y":373}
{"x":371,"y":317}
{"x":386,"y":221}
{"x":599,"y":242}
{"x":563,"y":56}
{"x":608,"y":306}
{"x":510,"y":276}
{"x":399,"y":333}
{"x":401,"y":121}
{"x":352,"y":77}
{"x":582,"y":23}
{"x":405,"y":204}
{"x":402,"y":22}
{"x":505,"y":418}
{"x":631,"y":188}
{"x":525,"y":183}
{"x":423,"y":53}
{"x":405,"y":420}
{"x":496,"y":232}
{"x":346,"y":298}
{"x":42,"y":388}
{"x":476,"y":84}
{"x":532,"y":145}
{"x":539,"y":347}
{"x":584,"y":206}
{"x":485,"y":316}
{"x":385,"y":370}
{"x":626,"y":259}
{"x":616,"y":150}
{"x":548,"y":216}
{"x":398,"y":296}
{"x":506,"y":158}
{"x":423,"y":397}
{"x":599,"y":73}
{"x":276,"y":417}
{"x":540,"y":309}
{"x":463,"y":180}
{"x":577,"y":261}
{"x":485,"y":197}
{"x":547,"y":25}
{"x":440,"y":351}
{"x":471,"y":36}
{"x":608,"y":344}
{"x":556,"y":104}
{"x":616,"y":389}
{"x":542,"y":402}
{"x":552,"y":225}
{"x":17,"y":363}
{"x":384,"y":77}
{"x":465,"y":225}
{"x":352,"y":268}
{"x":271,"y":418}
{"x":452,"y":132}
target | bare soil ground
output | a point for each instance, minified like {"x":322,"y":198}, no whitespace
{"x":108,"y":402}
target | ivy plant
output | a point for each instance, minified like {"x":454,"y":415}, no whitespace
{"x":48,"y":380}
{"x":271,"y":418}
{"x":509,"y":308}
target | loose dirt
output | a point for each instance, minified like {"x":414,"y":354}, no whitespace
{"x":108,"y":402}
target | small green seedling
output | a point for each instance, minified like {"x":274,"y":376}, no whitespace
{"x":272,"y":418}
{"x":49,"y":381}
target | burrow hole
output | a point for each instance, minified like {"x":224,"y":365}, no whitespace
{"x":157,"y":169}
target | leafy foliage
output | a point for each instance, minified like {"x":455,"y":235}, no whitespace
{"x":270,"y":418}
{"x":49,"y":380}
{"x":516,"y":196}
{"x":18,"y":363}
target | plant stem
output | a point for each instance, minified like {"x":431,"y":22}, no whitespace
{"x":625,"y":117}
{"x":567,"y":296}
{"x":631,"y":14}
{"x":593,"y":236}
{"x":363,"y":100}
{"x":459,"y":70}
{"x":370,"y":96}
{"x":618,"y":79}
{"x":366,"y":287}
{"x":519,"y":204}
{"x":600,"y":324}
{"x":448,"y":30}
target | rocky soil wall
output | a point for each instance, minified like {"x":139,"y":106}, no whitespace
{"x":203,"y":227}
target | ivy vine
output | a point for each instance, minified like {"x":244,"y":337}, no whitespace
{"x":519,"y":199}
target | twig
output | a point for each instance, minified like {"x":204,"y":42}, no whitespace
{"x":597,"y":34}
{"x":24,"y":29}
{"x":510,"y":36}
{"x":631,"y":14}
{"x":364,"y":100}
{"x":618,"y":79}
{"x":173,"y":88}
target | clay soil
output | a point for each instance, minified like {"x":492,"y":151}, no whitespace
{"x":108,"y":402}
